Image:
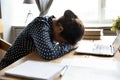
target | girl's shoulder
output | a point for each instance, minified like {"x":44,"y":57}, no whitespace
{"x":46,"y":18}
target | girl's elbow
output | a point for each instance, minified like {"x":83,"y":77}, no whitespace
{"x":50,"y":57}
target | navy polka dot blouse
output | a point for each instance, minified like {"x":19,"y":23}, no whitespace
{"x":37,"y":36}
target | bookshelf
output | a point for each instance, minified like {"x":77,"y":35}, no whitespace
{"x":15,"y":31}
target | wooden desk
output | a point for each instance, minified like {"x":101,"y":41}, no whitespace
{"x":32,"y":56}
{"x":35,"y":56}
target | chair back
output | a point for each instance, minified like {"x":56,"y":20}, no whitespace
{"x":4,"y":45}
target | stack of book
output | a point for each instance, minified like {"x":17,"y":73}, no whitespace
{"x":92,"y":34}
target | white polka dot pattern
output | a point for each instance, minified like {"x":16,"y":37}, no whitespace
{"x":37,"y":36}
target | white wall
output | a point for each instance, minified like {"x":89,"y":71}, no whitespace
{"x":6,"y":8}
{"x":14,"y":13}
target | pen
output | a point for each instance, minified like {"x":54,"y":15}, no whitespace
{"x":63,"y":71}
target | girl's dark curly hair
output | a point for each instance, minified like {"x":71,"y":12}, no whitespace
{"x":73,"y":30}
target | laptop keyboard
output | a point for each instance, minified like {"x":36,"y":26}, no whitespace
{"x":102,"y":48}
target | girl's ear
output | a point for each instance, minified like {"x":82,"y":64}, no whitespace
{"x":60,"y":29}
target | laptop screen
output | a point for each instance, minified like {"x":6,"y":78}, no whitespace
{"x":116,"y":42}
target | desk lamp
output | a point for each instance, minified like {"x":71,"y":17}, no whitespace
{"x":29,"y":13}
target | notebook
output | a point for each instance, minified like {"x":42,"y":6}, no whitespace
{"x":85,"y":73}
{"x":36,"y":70}
{"x":99,"y":48}
{"x":92,"y":69}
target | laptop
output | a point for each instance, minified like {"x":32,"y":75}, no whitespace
{"x":36,"y":70}
{"x":99,"y":48}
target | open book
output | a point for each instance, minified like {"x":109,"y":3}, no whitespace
{"x":36,"y":70}
{"x":91,"y":69}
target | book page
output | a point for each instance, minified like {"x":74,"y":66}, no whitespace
{"x":91,"y":69}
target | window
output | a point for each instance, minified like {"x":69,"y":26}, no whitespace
{"x":89,"y":11}
{"x":93,"y":11}
{"x":112,"y":9}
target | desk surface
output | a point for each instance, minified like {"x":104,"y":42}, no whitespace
{"x":34,"y":56}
